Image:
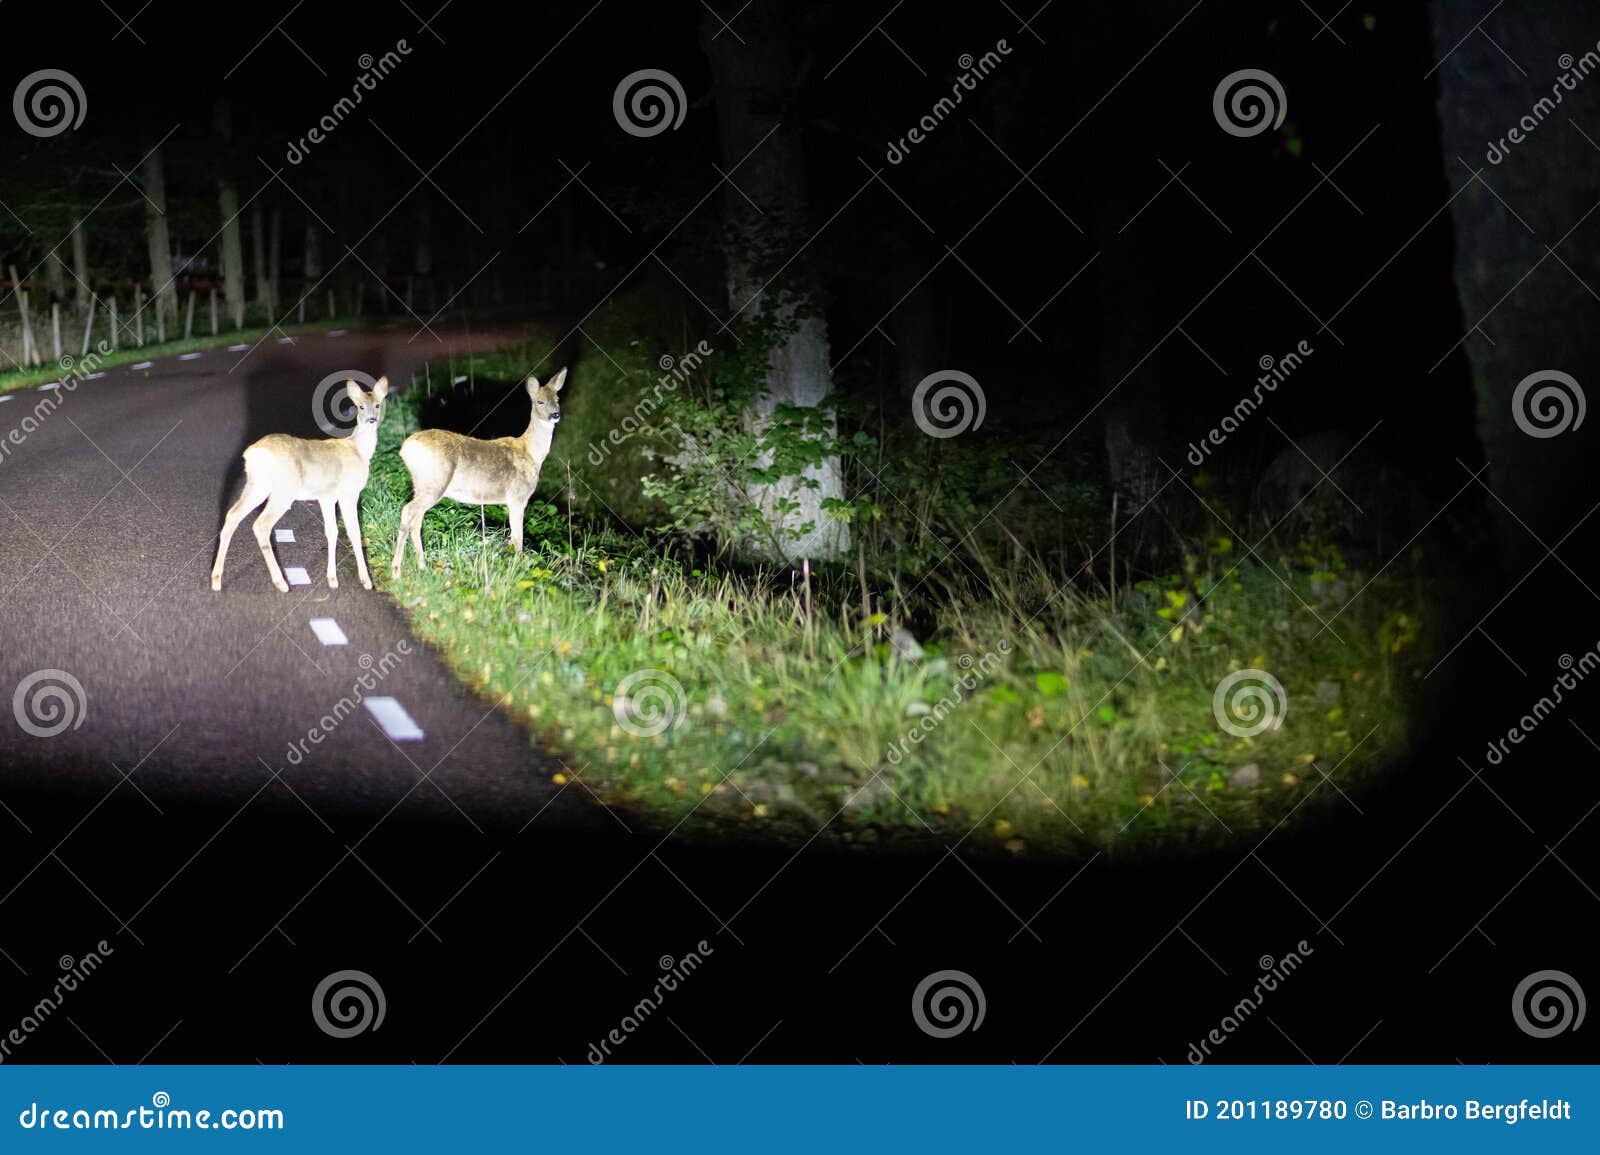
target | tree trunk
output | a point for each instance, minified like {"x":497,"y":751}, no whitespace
{"x":1519,"y":328}
{"x":155,"y":191}
{"x":55,"y":269}
{"x":313,"y":253}
{"x":755,"y":80}
{"x":232,"y":240}
{"x":275,"y":260}
{"x":423,"y":265}
{"x":232,"y":252}
{"x":258,"y":257}
{"x":80,"y":266}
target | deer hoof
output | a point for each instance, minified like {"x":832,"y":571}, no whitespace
{"x":216,"y":581}
{"x":366,"y":583}
{"x":281,"y":585}
{"x":333,"y":582}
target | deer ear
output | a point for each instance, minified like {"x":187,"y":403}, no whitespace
{"x":558,"y":381}
{"x":532,"y":384}
{"x":381,"y":389}
{"x":354,"y":392}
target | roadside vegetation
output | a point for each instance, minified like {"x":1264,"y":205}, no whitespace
{"x":95,"y":362}
{"x":946,"y":683}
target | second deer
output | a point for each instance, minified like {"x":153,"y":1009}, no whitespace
{"x":282,"y":470}
{"x":504,"y":471}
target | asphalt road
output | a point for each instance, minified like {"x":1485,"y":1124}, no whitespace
{"x":109,"y":512}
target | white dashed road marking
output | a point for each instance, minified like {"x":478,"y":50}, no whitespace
{"x":392,"y":716}
{"x":328,"y":632}
{"x":187,"y":356}
{"x":237,"y":348}
{"x":144,"y":364}
{"x":51,"y":385}
{"x":297,"y":576}
{"x":283,"y":535}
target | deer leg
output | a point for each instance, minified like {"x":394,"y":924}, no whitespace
{"x":251,"y":497}
{"x":352,"y":528}
{"x":411,"y":515}
{"x":416,"y":532}
{"x":515,"y":511}
{"x":276,"y":507}
{"x":330,"y":529}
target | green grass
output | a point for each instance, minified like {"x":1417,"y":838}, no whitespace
{"x":51,"y":371}
{"x":1051,"y":722}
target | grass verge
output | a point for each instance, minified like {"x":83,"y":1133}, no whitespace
{"x":23,"y":378}
{"x":1033,"y":716}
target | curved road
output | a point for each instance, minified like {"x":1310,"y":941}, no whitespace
{"x":109,"y":511}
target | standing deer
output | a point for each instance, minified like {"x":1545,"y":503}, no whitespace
{"x":281,"y":470}
{"x":475,"y":472}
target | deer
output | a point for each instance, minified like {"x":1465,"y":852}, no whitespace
{"x":473,"y":471}
{"x":282,"y":470}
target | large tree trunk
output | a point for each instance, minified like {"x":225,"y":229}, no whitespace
{"x":155,"y":191}
{"x":755,"y":81}
{"x":80,"y":266}
{"x":1523,"y":311}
